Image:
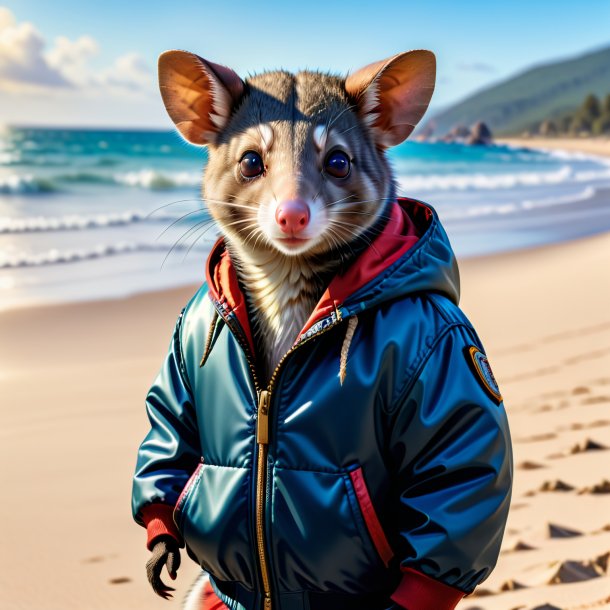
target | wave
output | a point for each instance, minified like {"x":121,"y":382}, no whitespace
{"x":24,"y":184}
{"x":462,"y":182}
{"x":154,"y":180}
{"x":27,"y":184}
{"x":458,"y":213}
{"x":55,"y":256}
{"x":76,"y":222}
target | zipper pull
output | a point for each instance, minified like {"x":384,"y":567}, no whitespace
{"x":262,"y":422}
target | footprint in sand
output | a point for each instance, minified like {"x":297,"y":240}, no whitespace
{"x":587,"y":445}
{"x":595,"y":400}
{"x":599,"y":488}
{"x":581,"y":390}
{"x":529,"y":465}
{"x":522,"y":546}
{"x":558,"y":531}
{"x":575,"y":571}
{"x":598,"y":423}
{"x":582,"y":447}
{"x":556,"y":485}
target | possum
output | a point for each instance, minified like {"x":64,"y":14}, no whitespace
{"x":292,"y":482}
{"x":297,"y":178}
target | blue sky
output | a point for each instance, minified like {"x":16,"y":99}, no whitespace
{"x":93,"y":63}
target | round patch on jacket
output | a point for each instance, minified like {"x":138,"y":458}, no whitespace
{"x":482,"y":368}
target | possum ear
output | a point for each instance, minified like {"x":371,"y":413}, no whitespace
{"x":198,"y":95}
{"x":393,"y":94}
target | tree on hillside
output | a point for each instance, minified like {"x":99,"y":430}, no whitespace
{"x":591,"y":117}
{"x":591,"y":107}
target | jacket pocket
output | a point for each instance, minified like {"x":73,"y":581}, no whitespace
{"x":185,"y":495}
{"x":318,"y":535}
{"x":368,"y":513}
{"x":215,"y":523}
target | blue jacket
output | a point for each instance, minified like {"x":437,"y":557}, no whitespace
{"x":391,"y":486}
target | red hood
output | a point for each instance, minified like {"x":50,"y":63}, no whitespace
{"x":398,"y":236}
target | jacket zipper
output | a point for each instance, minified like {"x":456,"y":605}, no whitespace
{"x":262,"y":439}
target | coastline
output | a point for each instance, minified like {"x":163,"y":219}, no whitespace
{"x":590,"y":146}
{"x":74,"y":377}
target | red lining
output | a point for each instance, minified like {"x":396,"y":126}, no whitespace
{"x":370,"y":516}
{"x":158,"y":519}
{"x":188,"y":484}
{"x":399,"y":235}
{"x":416,"y":591}
{"x":222,"y":282}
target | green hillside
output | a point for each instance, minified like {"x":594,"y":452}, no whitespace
{"x":542,"y":92}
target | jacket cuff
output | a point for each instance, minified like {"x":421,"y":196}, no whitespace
{"x":159,"y":521}
{"x":416,"y":591}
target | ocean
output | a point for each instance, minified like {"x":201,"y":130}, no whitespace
{"x":86,"y":214}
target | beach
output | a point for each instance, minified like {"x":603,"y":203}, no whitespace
{"x":590,"y":146}
{"x":74,"y":377}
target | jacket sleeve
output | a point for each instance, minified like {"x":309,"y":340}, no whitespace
{"x":451,"y":450}
{"x":170,"y":451}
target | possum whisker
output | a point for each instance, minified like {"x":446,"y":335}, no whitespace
{"x":178,"y":220}
{"x":196,"y":240}
{"x":172,"y":203}
{"x":193,"y":228}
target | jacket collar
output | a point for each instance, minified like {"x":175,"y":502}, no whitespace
{"x":399,"y":235}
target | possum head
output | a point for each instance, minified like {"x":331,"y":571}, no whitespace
{"x":296,"y":164}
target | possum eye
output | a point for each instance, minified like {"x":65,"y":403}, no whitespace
{"x":251,"y":164}
{"x":337,"y":164}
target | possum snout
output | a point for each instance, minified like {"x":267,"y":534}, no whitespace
{"x":292,"y":216}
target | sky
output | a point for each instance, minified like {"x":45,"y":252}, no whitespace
{"x":83,"y":63}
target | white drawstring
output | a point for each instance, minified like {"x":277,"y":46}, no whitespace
{"x":349,"y":333}
{"x":208,"y":342}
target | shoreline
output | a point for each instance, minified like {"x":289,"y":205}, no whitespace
{"x":599,"y":146}
{"x":188,"y":289}
{"x":74,"y":376}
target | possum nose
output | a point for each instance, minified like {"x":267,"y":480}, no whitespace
{"x":292,"y":216}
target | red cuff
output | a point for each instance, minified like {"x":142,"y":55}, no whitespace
{"x":158,"y":519}
{"x":417,"y":591}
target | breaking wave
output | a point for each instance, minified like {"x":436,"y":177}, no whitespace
{"x":27,"y":184}
{"x":77,"y":222}
{"x":55,"y":256}
{"x":462,"y":182}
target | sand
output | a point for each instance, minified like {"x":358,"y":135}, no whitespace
{"x":73,"y":380}
{"x":590,"y":146}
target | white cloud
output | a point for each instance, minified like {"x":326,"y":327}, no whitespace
{"x":26,"y":66}
{"x":22,"y":62}
{"x":70,"y":57}
{"x":130,"y":72}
